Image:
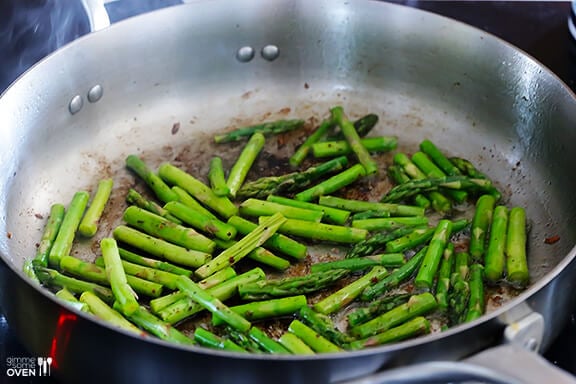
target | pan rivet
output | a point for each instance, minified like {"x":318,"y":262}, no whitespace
{"x":245,"y":54}
{"x":95,"y":93}
{"x":75,"y":104}
{"x":531,"y":344}
{"x":270,"y":52}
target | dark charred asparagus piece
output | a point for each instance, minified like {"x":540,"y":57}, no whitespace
{"x":161,"y":190}
{"x":270,"y":128}
{"x":324,"y":326}
{"x":244,"y":163}
{"x":375,"y":308}
{"x":138,"y":200}
{"x":290,"y":286}
{"x":376,"y":242}
{"x":89,"y":224}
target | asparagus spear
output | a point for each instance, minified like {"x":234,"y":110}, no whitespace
{"x":164,"y":229}
{"x":290,"y":286}
{"x":332,"y":184}
{"x":68,"y":297}
{"x":375,"y":242}
{"x":97,"y":274}
{"x":476,"y":303}
{"x":468,"y":169}
{"x":263,"y":256}
{"x":342,"y":147}
{"x":360,"y":263}
{"x":375,"y":308}
{"x":416,"y":306}
{"x":138,"y":200}
{"x":244,"y":246}
{"x":166,"y":279}
{"x":315,"y":341}
{"x":460,"y":293}
{"x":294,"y":344}
{"x":417,"y":237}
{"x":244,"y":162}
{"x":49,"y":235}
{"x":258,"y":310}
{"x":430,"y":149}
{"x":106,"y":313}
{"x":370,"y":215}
{"x":173,"y":175}
{"x":494,"y":259}
{"x":63,"y":242}
{"x":321,"y":231}
{"x":303,"y":150}
{"x":361,"y":206}
{"x":185,"y":198}
{"x":276,"y":242}
{"x":266,"y":343}
{"x":516,"y":263}
{"x":123,"y":293}
{"x":152,"y":263}
{"x":53,"y":278}
{"x":324,"y":326}
{"x":161,"y":190}
{"x":388,"y":224}
{"x":157,"y":327}
{"x":160,"y":248}
{"x":273,"y":127}
{"x":216,"y":177}
{"x":213,"y":304}
{"x":290,"y":182}
{"x":255,"y":207}
{"x":363,"y":126}
{"x":396,"y":277}
{"x":210,"y":340}
{"x":431,"y":262}
{"x":333,"y":215}
{"x":89,"y":224}
{"x":426,"y":165}
{"x":399,"y":176}
{"x":443,"y":283}
{"x":201,"y":222}
{"x":417,"y":326}
{"x":347,"y":294}
{"x":349,"y":131}
{"x":480,"y":225}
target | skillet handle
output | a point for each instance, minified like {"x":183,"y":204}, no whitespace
{"x":504,"y":364}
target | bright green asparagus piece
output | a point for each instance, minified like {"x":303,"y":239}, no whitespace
{"x":152,"y":263}
{"x":294,"y":344}
{"x":164,"y":229}
{"x":347,"y":294}
{"x":160,"y":248}
{"x":324,"y":326}
{"x":396,"y":277}
{"x":68,"y":297}
{"x":476,"y":284}
{"x":89,"y":224}
{"x":516,"y":262}
{"x":244,"y":246}
{"x":123,"y":293}
{"x":290,"y":286}
{"x":276,"y":242}
{"x":138,"y":200}
{"x":444,"y":274}
{"x":186,"y":199}
{"x":495,"y":259}
{"x":468,"y":169}
{"x":376,"y":242}
{"x":107,"y":313}
{"x":360,"y":263}
{"x":332,"y":215}
{"x":411,"y":240}
{"x":210,"y":340}
{"x":157,"y":327}
{"x":314,"y":340}
{"x":415,"y":327}
{"x":266,"y":343}
{"x":361,"y":206}
{"x":342,"y":147}
{"x":51,"y":229}
{"x":430,"y":169}
{"x":349,"y":131}
{"x":273,"y":127}
{"x":303,"y":150}
{"x":290,"y":182}
{"x":332,"y":184}
{"x":260,"y":255}
{"x":480,"y":226}
{"x":417,"y":305}
{"x":217,"y":178}
{"x":258,"y":310}
{"x":166,"y":279}
{"x":431,"y":262}
{"x":363,"y":314}
{"x":389,"y":223}
{"x":197,"y":189}
{"x":244,"y":163}
{"x":97,"y":274}
{"x":63,"y":242}
{"x":256,"y":207}
{"x":54,"y":278}
{"x":161,"y":190}
{"x":321,"y":231}
{"x":436,"y":155}
{"x":201,"y":222}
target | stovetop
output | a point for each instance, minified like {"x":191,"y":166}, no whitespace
{"x":540,"y":28}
